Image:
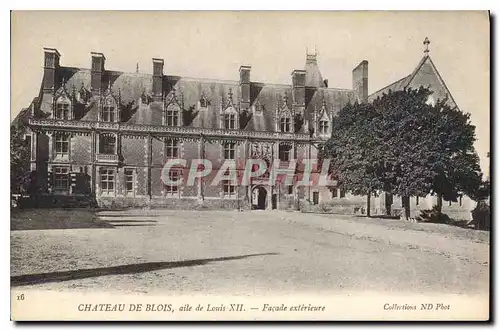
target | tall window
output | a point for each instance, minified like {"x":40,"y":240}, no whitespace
{"x":315,"y":198}
{"x":108,"y":111}
{"x":229,"y":151}
{"x":323,"y":127}
{"x":107,"y":180}
{"x":62,"y":144}
{"x":284,"y":152}
{"x":171,"y":148}
{"x":228,"y":189}
{"x":61,"y":179}
{"x":286,"y":124}
{"x":129,"y":181}
{"x":230,"y":121}
{"x":334,"y":192}
{"x":107,"y":144}
{"x":172,"y":117}
{"x":174,"y":175}
{"x":62,"y":109}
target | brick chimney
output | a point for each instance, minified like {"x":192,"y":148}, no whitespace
{"x":245,"y":86}
{"x":51,"y":64}
{"x":97,"y":71}
{"x":157,"y":79}
{"x":360,"y":81}
{"x":299,"y":87}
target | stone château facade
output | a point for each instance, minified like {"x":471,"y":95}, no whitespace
{"x":108,"y":134}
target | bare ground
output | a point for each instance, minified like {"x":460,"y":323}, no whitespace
{"x":248,"y":253}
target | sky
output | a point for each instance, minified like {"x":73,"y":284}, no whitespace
{"x":214,"y":45}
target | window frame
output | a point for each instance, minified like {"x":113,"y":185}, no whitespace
{"x":285,"y":124}
{"x":282,"y":153}
{"x":171,"y":148}
{"x":62,"y":108}
{"x":230,"y":121}
{"x":110,"y":178}
{"x":228,"y":190}
{"x":129,"y":173}
{"x":103,"y":147}
{"x":61,"y":177}
{"x":323,"y":127}
{"x":61,"y":140}
{"x":172,"y":117}
{"x":173,"y":190}
{"x":229,"y":150}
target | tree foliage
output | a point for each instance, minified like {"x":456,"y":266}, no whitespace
{"x":19,"y":161}
{"x":406,"y":146}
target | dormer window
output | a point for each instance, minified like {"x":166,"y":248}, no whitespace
{"x":172,"y":117}
{"x":109,"y":110}
{"x":230,"y":121}
{"x":203,"y":102}
{"x":323,"y":127}
{"x":62,"y":109}
{"x":286,"y":124}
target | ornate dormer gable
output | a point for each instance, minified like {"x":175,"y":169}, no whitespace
{"x":145,"y":98}
{"x":83,"y":95}
{"x":323,"y":120}
{"x":257,"y":108}
{"x":109,"y":106}
{"x":203,"y":102}
{"x":229,"y":116}
{"x":173,"y":105}
{"x":284,"y":116}
{"x":63,"y":103}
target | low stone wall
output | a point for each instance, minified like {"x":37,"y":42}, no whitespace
{"x":180,"y":204}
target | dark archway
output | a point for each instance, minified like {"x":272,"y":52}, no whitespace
{"x":259,"y":198}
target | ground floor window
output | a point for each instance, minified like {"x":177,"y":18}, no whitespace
{"x":174,"y":175}
{"x":129,"y":181}
{"x":61,"y":178}
{"x":315,"y":198}
{"x":107,"y":180}
{"x":228,"y":189}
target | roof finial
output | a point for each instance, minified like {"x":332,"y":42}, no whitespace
{"x":137,"y":67}
{"x":426,"y":43}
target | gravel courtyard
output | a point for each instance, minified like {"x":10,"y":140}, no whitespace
{"x":248,"y":253}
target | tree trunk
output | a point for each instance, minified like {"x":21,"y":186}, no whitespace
{"x":406,"y":207}
{"x":439,"y":203}
{"x":368,"y":204}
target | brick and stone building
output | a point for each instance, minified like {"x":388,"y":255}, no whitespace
{"x":107,"y":134}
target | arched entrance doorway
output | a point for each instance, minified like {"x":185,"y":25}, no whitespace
{"x":259,"y":198}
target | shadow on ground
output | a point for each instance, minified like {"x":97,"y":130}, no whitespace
{"x":60,"y":276}
{"x":47,"y":219}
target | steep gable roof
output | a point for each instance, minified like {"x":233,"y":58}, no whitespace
{"x":425,"y":74}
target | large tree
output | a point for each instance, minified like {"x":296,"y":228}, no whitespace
{"x":353,"y":149}
{"x":406,"y":146}
{"x":428,"y":148}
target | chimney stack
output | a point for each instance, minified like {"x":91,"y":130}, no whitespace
{"x":299,"y":87}
{"x":97,"y":71}
{"x":360,"y":81}
{"x":51,"y":64}
{"x":157,"y":79}
{"x":245,"y":86}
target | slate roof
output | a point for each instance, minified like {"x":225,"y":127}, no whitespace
{"x":189,"y":91}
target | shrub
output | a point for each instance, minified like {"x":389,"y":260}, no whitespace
{"x":481,"y":216}
{"x":433,"y":216}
